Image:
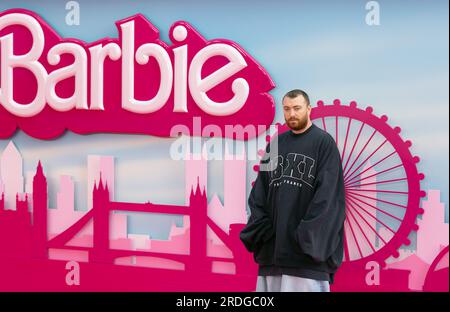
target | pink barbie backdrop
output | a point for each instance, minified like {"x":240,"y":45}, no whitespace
{"x":92,"y":197}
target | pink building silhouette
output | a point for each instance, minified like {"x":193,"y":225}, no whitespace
{"x":195,"y":171}
{"x":433,"y":232}
{"x":40,"y":206}
{"x":11,"y":170}
{"x":97,"y":165}
{"x":418,"y":270}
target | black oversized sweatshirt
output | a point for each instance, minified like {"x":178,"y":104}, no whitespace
{"x":297,"y":206}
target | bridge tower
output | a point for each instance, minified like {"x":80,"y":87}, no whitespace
{"x":100,"y":218}
{"x":198,"y":205}
{"x":40,"y":205}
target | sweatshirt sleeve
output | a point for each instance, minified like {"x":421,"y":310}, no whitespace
{"x":259,"y":227}
{"x":319,"y":233}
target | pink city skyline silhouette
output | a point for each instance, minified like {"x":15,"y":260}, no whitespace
{"x":189,"y":260}
{"x":36,"y":242}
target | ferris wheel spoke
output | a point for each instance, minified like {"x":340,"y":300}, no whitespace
{"x":373,"y":217}
{"x":384,"y":181}
{"x":346,"y":138}
{"x":367,"y":222}
{"x":360,"y":228}
{"x":354,"y":183}
{"x":337,"y":133}
{"x":354,"y":237}
{"x":365,"y":160}
{"x":381,"y":160}
{"x":377,"y":199}
{"x":346,"y":253}
{"x":374,"y":207}
{"x":362,"y":150}
{"x":376,"y":191}
{"x":353,"y":147}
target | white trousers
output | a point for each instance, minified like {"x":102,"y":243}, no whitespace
{"x":288,"y":283}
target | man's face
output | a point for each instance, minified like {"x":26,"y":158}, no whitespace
{"x":296,"y":112}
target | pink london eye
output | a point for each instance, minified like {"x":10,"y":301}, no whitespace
{"x":382,"y":183}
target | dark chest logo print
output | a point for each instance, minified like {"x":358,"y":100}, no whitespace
{"x":294,"y":169}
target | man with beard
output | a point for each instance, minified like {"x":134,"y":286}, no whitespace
{"x":297,"y":205}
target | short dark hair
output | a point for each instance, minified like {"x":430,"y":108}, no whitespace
{"x":297,"y":92}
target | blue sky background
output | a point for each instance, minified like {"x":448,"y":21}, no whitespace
{"x":400,"y":68}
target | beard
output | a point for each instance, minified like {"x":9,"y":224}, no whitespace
{"x":297,"y":124}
